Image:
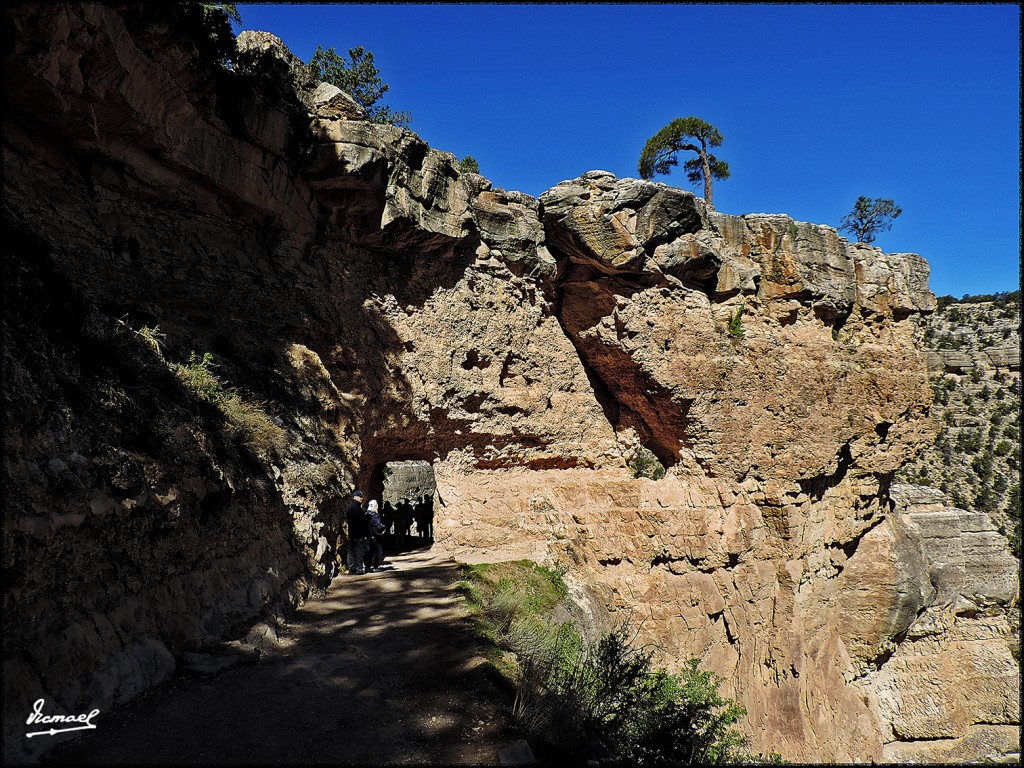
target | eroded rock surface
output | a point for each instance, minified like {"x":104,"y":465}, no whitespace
{"x":375,"y":304}
{"x":958,"y":634}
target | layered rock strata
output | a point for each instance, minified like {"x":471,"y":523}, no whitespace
{"x":974,"y":361}
{"x":372,"y":304}
{"x":956,"y":581}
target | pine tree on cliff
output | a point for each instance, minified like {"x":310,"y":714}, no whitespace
{"x":870,"y":215}
{"x":691,"y":134}
{"x":359,"y":77}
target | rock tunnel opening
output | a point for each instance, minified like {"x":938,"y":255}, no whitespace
{"x":405,"y":491}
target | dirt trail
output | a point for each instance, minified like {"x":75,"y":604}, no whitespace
{"x":384,"y":669}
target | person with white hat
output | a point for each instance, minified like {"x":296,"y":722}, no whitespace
{"x":375,"y":529}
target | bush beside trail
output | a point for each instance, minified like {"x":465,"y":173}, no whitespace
{"x":602,"y":701}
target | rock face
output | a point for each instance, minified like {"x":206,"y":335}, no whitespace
{"x":958,"y":632}
{"x":363,"y":302}
{"x":974,"y":366}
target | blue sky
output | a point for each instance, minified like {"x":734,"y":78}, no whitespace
{"x":817,"y":104}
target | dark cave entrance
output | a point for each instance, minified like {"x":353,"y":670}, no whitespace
{"x":405,"y":491}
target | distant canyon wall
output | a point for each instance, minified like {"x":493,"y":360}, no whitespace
{"x":364,"y":301}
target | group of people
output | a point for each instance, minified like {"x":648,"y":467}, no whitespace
{"x":405,"y":514}
{"x":365,"y":529}
{"x":368,"y":526}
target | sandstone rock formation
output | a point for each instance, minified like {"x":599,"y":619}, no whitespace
{"x":371,"y":304}
{"x":958,"y":633}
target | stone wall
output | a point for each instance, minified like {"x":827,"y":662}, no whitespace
{"x":374,"y":304}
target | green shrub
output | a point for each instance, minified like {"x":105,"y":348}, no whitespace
{"x":984,"y":499}
{"x":197,"y":377}
{"x":358,"y":76}
{"x":152,"y":336}
{"x":608,"y":702}
{"x":602,"y":701}
{"x":940,"y":392}
{"x":468,"y":164}
{"x":969,"y":441}
{"x":247,"y":421}
{"x":1013,"y":460}
{"x":1003,"y":409}
{"x":958,"y":498}
{"x":645,"y":464}
{"x":736,"y":323}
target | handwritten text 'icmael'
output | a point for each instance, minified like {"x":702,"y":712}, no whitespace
{"x":37,"y":716}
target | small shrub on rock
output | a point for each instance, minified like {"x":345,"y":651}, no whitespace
{"x":247,"y":420}
{"x":736,"y":324}
{"x":645,"y":464}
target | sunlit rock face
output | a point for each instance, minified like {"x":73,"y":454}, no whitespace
{"x":377,"y":305}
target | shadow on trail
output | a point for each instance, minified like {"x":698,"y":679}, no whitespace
{"x":385,"y":668}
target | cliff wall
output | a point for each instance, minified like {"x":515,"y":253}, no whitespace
{"x":362,"y":302}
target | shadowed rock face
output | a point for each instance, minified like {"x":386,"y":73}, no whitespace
{"x":377,"y":305}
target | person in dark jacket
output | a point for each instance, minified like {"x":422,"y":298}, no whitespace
{"x":357,"y":530}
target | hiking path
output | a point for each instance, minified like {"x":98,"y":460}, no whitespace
{"x":385,"y":668}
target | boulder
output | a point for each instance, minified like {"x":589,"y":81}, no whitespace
{"x":615,"y":224}
{"x":329,"y":101}
{"x":509,"y":225}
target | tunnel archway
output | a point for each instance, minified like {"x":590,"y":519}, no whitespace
{"x":406,"y":490}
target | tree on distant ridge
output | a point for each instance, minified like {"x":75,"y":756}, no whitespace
{"x":359,"y":77}
{"x":685,"y":133}
{"x":468,"y":164}
{"x":870,"y":215}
